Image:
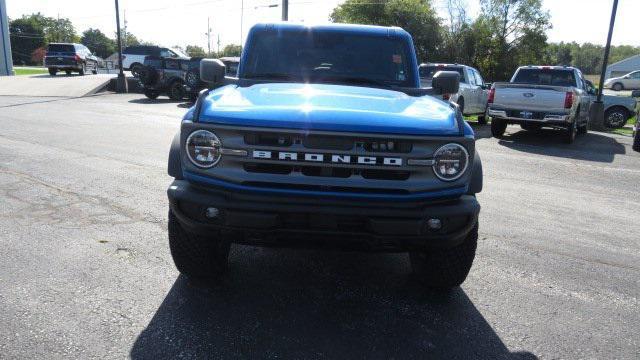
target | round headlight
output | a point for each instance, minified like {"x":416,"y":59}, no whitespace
{"x":450,"y":162}
{"x":203,"y":148}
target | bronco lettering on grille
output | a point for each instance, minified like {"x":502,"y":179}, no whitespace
{"x":327,"y":158}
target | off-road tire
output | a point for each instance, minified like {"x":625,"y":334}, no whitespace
{"x":83,"y":70}
{"x":197,"y":257}
{"x":151,"y":94}
{"x":68,"y":72}
{"x":135,"y":70}
{"x":617,"y":87}
{"x":176,"y":91}
{"x":583,"y":129}
{"x":570,"y":133}
{"x":95,"y":69}
{"x":53,"y":71}
{"x":445,"y":268}
{"x":616,"y":117}
{"x":482,"y":119}
{"x":192,"y":78}
{"x":498,"y":127}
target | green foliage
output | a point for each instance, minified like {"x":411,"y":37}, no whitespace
{"x":98,"y":42}
{"x":587,"y":57}
{"x":231,"y":50}
{"x":415,"y":16}
{"x":26,"y":36}
{"x":195,"y":51}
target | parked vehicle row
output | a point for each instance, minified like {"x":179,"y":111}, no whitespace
{"x":70,"y":58}
{"x":537,"y":96}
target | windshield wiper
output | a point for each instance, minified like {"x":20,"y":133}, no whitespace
{"x":275,"y":76}
{"x":354,"y":80}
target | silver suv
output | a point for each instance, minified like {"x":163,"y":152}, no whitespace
{"x":631,"y":81}
{"x":473,"y":94}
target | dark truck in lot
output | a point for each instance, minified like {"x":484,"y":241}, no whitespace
{"x":70,"y":58}
{"x":325,"y":139}
{"x":177,"y":78}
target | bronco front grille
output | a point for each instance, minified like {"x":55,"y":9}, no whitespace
{"x":326,"y":161}
{"x":303,"y":144}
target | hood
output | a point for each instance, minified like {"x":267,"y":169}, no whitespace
{"x":329,"y":108}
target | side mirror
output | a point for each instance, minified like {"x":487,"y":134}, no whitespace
{"x":487,"y":86}
{"x":635,"y":93}
{"x":446,"y":82}
{"x":212,"y":71}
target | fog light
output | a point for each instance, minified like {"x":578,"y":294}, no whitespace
{"x":434,"y":224}
{"x":212,"y":213}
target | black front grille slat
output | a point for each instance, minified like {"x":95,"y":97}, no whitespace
{"x":325,"y":188}
{"x":341,"y":144}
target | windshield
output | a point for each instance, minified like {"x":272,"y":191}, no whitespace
{"x":180,"y":53}
{"x":554,"y":77}
{"x":61,"y":48}
{"x":329,"y":57}
{"x":427,"y":72}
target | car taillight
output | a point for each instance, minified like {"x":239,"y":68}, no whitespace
{"x":568,"y":100}
{"x":76,"y":57}
{"x":446,"y":96}
{"x":492,"y":95}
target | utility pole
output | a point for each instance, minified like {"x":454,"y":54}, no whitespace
{"x":121,"y":82}
{"x":208,"y":37}
{"x":124,"y":30}
{"x":285,"y":10}
{"x":241,"y":19}
{"x":596,"y":111}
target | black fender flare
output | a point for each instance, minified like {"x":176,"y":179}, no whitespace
{"x":475,"y":185}
{"x":174,"y":167}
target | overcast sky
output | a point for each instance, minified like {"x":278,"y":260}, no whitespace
{"x":173,"y":22}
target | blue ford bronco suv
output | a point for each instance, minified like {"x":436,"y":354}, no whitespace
{"x":325,"y":139}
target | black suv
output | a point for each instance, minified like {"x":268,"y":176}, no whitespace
{"x":69,"y":58}
{"x":178,"y":78}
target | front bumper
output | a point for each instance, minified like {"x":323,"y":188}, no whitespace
{"x":299,"y":221}
{"x":553,"y":119}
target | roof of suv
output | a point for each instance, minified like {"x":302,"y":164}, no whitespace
{"x":351,"y":28}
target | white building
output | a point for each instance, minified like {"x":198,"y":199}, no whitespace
{"x":623,"y":67}
{"x":6,"y":64}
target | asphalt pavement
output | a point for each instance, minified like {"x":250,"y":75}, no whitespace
{"x":85,"y":269}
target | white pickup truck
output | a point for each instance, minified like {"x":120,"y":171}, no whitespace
{"x":537,"y":96}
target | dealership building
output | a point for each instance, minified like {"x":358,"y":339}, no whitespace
{"x":6,"y":64}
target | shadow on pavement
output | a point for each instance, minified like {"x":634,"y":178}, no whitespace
{"x":144,"y":100}
{"x":593,"y":146}
{"x":313,"y":304}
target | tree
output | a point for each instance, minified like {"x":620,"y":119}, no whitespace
{"x":231,"y":50}
{"x":415,"y":16}
{"x":98,"y":42}
{"x":55,"y":29}
{"x":26,"y":36}
{"x":195,"y":51}
{"x":518,"y":33}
